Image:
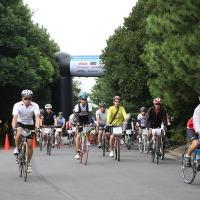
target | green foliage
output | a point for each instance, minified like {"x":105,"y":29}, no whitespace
{"x":178,"y":135}
{"x":76,"y":90}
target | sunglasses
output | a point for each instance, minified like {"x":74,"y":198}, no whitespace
{"x":157,"y":104}
{"x":117,"y":101}
{"x":28,"y":99}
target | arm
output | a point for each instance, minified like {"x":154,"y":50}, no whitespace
{"x":109,"y":115}
{"x":63,"y":126}
{"x":164,"y":118}
{"x":14,"y":121}
{"x":196,"y":119}
{"x":55,"y":121}
{"x":148,"y":118}
{"x":37,"y":121}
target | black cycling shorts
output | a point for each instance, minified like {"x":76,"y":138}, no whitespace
{"x":29,"y":127}
{"x":191,"y":135}
{"x":80,"y":129}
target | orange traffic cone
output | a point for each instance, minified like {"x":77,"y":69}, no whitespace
{"x":34,"y":142}
{"x":7,"y":145}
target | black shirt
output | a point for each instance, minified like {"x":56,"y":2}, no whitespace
{"x":48,"y":118}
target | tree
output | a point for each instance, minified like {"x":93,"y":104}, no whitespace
{"x":172,"y":56}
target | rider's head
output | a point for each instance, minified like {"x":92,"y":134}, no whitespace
{"x":102,"y":106}
{"x":83,"y":98}
{"x":48,"y":107}
{"x":143,"y":110}
{"x":128,"y":116}
{"x":60,"y":114}
{"x":157,"y":102}
{"x":41,"y":112}
{"x":27,"y":96}
{"x":117,"y":101}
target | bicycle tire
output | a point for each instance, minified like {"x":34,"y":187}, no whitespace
{"x":157,"y":158}
{"x":128,"y":145}
{"x":188,"y":173}
{"x":48,"y":146}
{"x":118,"y":149}
{"x":104,"y":145}
{"x":25,"y":161}
{"x":153,"y":152}
{"x":163,"y":147}
{"x":140,"y":146}
{"x":144,"y":142}
{"x":40,"y":142}
{"x":85,"y":153}
{"x":20,"y":162}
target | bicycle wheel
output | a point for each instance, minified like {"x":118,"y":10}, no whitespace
{"x":49,"y":145}
{"x":153,"y":152}
{"x":162,"y":148}
{"x":25,"y":161}
{"x":128,"y":144}
{"x":188,"y":173}
{"x":85,"y":153}
{"x":40,"y":142}
{"x":144,"y":142}
{"x":118,"y":149}
{"x":20,"y":162}
{"x":104,"y":145}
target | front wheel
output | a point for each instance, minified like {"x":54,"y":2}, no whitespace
{"x":188,"y":173}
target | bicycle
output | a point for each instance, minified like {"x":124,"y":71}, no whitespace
{"x":189,"y":173}
{"x":71,"y":136}
{"x":84,"y":145}
{"x":48,"y":130}
{"x":58,"y":138}
{"x":143,"y":144}
{"x":22,"y":157}
{"x":117,"y":131}
{"x":155,"y":150}
{"x":128,"y":142}
{"x":105,"y":143}
{"x":40,"y":140}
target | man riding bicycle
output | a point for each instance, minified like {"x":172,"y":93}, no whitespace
{"x":156,"y":115}
{"x":83,"y":111}
{"x":193,"y":133}
{"x":49,"y":121}
{"x":115,"y":116}
{"x":101,"y":117}
{"x":23,"y":113}
{"x":61,"y":125}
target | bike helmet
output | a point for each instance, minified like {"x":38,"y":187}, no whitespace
{"x":102,"y":104}
{"x":128,"y":116}
{"x":48,"y":106}
{"x":41,"y":111}
{"x":117,"y":98}
{"x":157,"y":101}
{"x":83,"y":96}
{"x":27,"y":93}
{"x":143,"y":109}
{"x":60,"y":113}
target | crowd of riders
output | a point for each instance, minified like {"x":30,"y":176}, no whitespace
{"x":26,"y":114}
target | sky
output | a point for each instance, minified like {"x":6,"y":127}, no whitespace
{"x":81,"y":27}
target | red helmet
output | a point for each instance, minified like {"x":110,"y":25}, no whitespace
{"x":157,"y":101}
{"x":117,"y":98}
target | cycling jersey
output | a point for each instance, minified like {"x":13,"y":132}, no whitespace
{"x":129,"y":124}
{"x":60,"y":121}
{"x":119,"y":118}
{"x":25,"y":113}
{"x":102,"y":116}
{"x":48,"y":118}
{"x":72,"y":119}
{"x":83,"y":113}
{"x":142,"y":120}
{"x":156,"y":117}
{"x":194,"y":122}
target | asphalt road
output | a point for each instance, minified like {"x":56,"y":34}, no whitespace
{"x":61,"y":177}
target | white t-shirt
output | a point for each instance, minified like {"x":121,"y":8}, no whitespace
{"x":142,"y":119}
{"x":83,"y":110}
{"x":25,"y":113}
{"x":102,"y":116}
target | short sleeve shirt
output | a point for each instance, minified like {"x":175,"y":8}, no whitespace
{"x":60,"y":121}
{"x":26,"y":113}
{"x":83,"y":110}
{"x":48,"y":118}
{"x":142,"y":119}
{"x":102,"y":116}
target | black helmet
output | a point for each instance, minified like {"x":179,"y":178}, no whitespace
{"x":102,"y":104}
{"x":143,"y":109}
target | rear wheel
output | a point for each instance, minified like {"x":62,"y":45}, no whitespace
{"x":163,"y":147}
{"x":104,"y":145}
{"x":144,"y":141}
{"x":49,"y":145}
{"x":25,"y":161}
{"x":118,"y":148}
{"x":85,"y":153}
{"x":188,"y":173}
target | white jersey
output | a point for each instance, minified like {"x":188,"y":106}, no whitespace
{"x":83,"y":110}
{"x":142,"y":120}
{"x":102,"y":116}
{"x":25,"y":113}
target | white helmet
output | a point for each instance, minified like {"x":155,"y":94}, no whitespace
{"x":27,"y":93}
{"x":48,"y":106}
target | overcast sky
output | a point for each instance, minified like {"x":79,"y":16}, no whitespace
{"x":81,"y":27}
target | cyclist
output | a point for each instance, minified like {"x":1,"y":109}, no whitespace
{"x":49,"y":120}
{"x":193,"y":133}
{"x":72,"y":119}
{"x":116,"y":115}
{"x":101,"y":118}
{"x":61,"y":125}
{"x":141,"y":119}
{"x":156,"y":115}
{"x":23,"y":113}
{"x":83,"y":111}
{"x":130,"y":126}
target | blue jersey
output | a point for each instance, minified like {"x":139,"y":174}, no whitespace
{"x":60,"y":121}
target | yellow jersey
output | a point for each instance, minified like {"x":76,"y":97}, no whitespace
{"x":119,"y":118}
